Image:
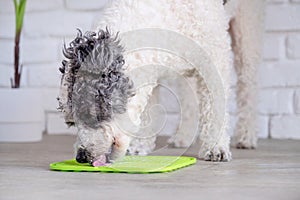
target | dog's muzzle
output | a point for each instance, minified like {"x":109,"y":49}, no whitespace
{"x":83,"y":156}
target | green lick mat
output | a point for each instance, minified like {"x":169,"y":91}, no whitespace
{"x":130,"y":164}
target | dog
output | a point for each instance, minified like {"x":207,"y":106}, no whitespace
{"x":97,"y":88}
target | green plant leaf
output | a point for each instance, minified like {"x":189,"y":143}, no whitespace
{"x":16,"y":12}
{"x":20,"y":15}
{"x":16,"y":5}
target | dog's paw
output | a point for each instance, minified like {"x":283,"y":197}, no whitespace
{"x":245,"y":142}
{"x":141,"y":147}
{"x":138,"y":151}
{"x":216,"y":154}
{"x":180,"y":141}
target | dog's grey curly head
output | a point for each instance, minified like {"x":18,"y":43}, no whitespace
{"x":98,"y":89}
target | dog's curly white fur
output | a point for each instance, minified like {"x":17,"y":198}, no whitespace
{"x":207,"y":23}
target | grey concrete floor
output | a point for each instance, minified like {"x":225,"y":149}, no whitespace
{"x":270,"y":172}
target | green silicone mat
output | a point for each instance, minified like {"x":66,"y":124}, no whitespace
{"x":130,"y":164}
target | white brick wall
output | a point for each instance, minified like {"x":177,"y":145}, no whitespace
{"x":274,"y":101}
{"x":293,"y":46}
{"x":47,"y":23}
{"x":83,"y":5}
{"x":279,"y":75}
{"x":285,"y":126}
{"x":283,"y":17}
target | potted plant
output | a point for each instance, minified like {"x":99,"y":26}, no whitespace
{"x":21,"y":116}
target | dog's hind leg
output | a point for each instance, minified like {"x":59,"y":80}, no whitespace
{"x":196,"y":118}
{"x":247,"y":30}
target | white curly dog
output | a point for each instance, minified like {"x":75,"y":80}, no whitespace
{"x":220,"y":28}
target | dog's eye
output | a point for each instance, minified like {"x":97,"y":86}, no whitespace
{"x":114,"y":141}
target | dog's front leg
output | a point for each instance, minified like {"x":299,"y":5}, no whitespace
{"x":143,"y":139}
{"x":214,"y":141}
{"x":187,"y":129}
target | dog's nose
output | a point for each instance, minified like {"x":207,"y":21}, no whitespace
{"x":82,"y":156}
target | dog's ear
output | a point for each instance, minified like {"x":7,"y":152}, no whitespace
{"x":94,"y":85}
{"x":68,"y":70}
